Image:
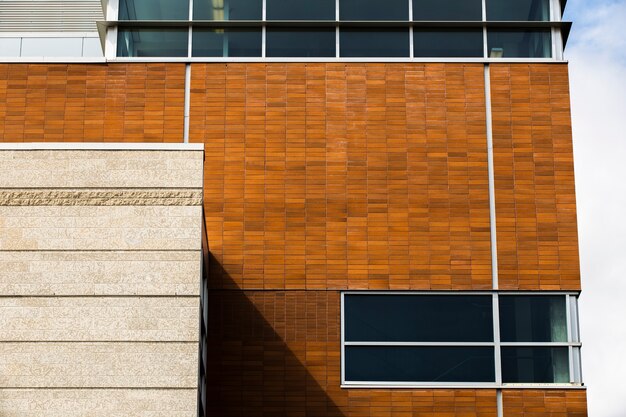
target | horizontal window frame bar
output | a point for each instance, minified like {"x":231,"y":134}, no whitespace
{"x":459,"y":385}
{"x":322,"y":59}
{"x":466,"y":344}
{"x":465,"y":292}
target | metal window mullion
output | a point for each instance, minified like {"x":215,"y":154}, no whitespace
{"x":388,"y":344}
{"x":190,"y":35}
{"x":337,"y":41}
{"x":496,"y":339}
{"x":570,"y":349}
{"x":343,"y":337}
{"x":484,"y":18}
{"x":539,"y":344}
{"x":411,"y":40}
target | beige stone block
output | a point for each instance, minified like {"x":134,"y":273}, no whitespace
{"x":98,"y":403}
{"x":100,"y":273}
{"x":99,"y":319}
{"x":98,"y":168}
{"x":100,"y":228}
{"x":98,"y":365}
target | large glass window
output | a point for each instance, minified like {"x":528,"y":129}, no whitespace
{"x":449,"y":42}
{"x":170,"y":42}
{"x":519,"y":10}
{"x":154,"y":10}
{"x":384,"y":42}
{"x":230,"y":42}
{"x":519,"y":43}
{"x":300,"y":10}
{"x":227,"y":9}
{"x":420,"y":339}
{"x":373,"y":10}
{"x":297,"y":42}
{"x":447,"y":10}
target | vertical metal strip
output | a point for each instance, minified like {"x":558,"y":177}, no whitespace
{"x":570,"y":350}
{"x":496,"y":338}
{"x":484,"y":17}
{"x":343,"y":339}
{"x":499,"y":403}
{"x":187,"y":102}
{"x":492,"y":191}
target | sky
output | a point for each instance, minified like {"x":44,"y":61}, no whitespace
{"x":596,"y":51}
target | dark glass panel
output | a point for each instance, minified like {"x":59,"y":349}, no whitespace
{"x":152,"y":42}
{"x":533,"y":318}
{"x":294,"y":42}
{"x":447,"y":10}
{"x":373,"y":10}
{"x":522,"y":10}
{"x":227,"y":9}
{"x":154,"y":10}
{"x":419,"y":364}
{"x":516,"y":43}
{"x":232,"y":42}
{"x":448,"y":42}
{"x":535,"y":364}
{"x":300,"y":10}
{"x":384,"y":42}
{"x":418,"y":318}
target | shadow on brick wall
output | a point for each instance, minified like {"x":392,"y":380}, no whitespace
{"x":262,"y":349}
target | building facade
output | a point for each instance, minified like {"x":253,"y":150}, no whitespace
{"x":389,"y":206}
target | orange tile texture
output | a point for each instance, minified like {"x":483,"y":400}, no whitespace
{"x":91,"y":102}
{"x":337,"y":176}
{"x":277,"y":353}
{"x":534,"y":177}
{"x":544,"y":403}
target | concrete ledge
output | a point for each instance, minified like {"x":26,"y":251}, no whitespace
{"x":106,"y":146}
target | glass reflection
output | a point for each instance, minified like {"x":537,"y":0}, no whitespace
{"x":533,"y":318}
{"x":300,"y":10}
{"x":535,"y":364}
{"x":295,"y":42}
{"x":521,"y":10}
{"x":519,"y":43}
{"x":419,"y":364}
{"x":373,"y":10}
{"x":447,"y":10}
{"x":227,"y":9}
{"x":231,"y":42}
{"x":152,"y":42}
{"x":154,"y":10}
{"x":385,"y":42}
{"x":450,"y":42}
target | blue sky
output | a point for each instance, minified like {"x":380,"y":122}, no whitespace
{"x":597,"y":54}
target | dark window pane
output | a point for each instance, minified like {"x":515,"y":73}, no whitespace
{"x":419,"y":364}
{"x":373,"y":10}
{"x":358,"y":43}
{"x":152,"y":42}
{"x":535,"y":364}
{"x":227,"y":9}
{"x":300,"y":10}
{"x":418,"y":318}
{"x":447,"y":10}
{"x":226,"y":42}
{"x":154,"y":10}
{"x":515,"y":43}
{"x":533,"y":318}
{"x":448,"y":42}
{"x":292,"y":42}
{"x":518,"y":10}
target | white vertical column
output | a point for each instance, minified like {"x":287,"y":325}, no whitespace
{"x":492,"y":192}
{"x":110,"y":43}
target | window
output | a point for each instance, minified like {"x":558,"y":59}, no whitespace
{"x":449,"y":42}
{"x":228,"y":42}
{"x":297,"y":42}
{"x":373,"y":10}
{"x":447,"y":10}
{"x":459,"y":339}
{"x":152,"y":42}
{"x":227,"y":9}
{"x":154,"y":10}
{"x":518,"y":10}
{"x":300,"y":10}
{"x":519,"y":43}
{"x":384,"y":42}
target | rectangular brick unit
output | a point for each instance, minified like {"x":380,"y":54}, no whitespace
{"x":91,"y":102}
{"x":534,"y":173}
{"x":544,"y":403}
{"x":345,"y":176}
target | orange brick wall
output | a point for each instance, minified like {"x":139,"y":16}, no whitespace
{"x":91,"y":102}
{"x":534,"y":173}
{"x":360,"y":176}
{"x":544,"y":403}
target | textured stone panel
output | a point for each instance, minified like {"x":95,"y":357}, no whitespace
{"x":118,"y":197}
{"x":100,"y":228}
{"x":99,"y":319}
{"x":98,"y":365}
{"x":98,"y":168}
{"x":98,"y":403}
{"x":100,"y":273}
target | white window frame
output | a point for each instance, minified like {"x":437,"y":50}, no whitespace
{"x":573,"y":343}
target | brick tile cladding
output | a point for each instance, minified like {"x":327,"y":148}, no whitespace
{"x":91,"y":102}
{"x":323,"y":177}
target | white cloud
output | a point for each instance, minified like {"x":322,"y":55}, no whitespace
{"x":598,"y":87}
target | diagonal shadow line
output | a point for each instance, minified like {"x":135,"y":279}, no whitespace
{"x":250,"y":369}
